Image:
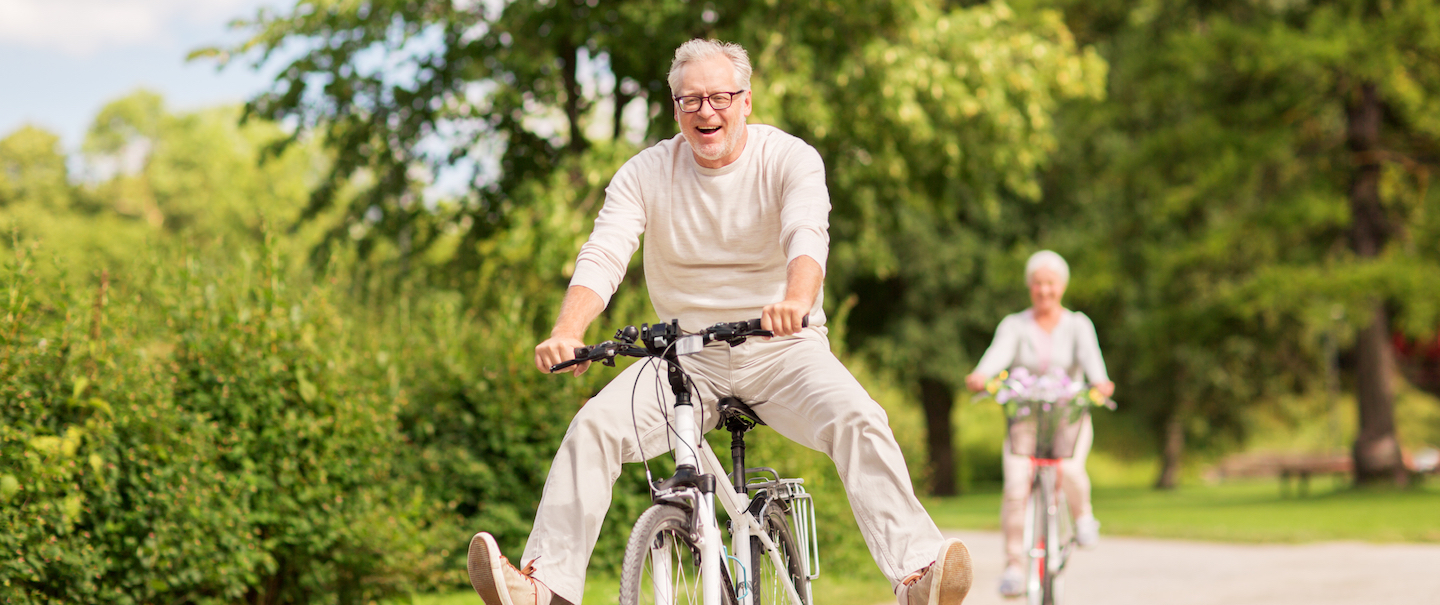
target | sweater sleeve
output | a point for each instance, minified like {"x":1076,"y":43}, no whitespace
{"x":805,"y":219}
{"x":1003,"y":348}
{"x":1087,"y":350}
{"x":603,"y":259}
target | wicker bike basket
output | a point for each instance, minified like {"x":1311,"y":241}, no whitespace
{"x":1044,"y":429}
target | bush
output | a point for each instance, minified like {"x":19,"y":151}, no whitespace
{"x":202,"y":439}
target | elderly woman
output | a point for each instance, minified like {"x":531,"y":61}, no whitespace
{"x":1040,"y":339}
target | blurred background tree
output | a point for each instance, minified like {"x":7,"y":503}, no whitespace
{"x":1258,"y":172}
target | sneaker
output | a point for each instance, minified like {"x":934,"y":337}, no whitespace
{"x":1087,"y":532}
{"x":945,"y":581}
{"x":1012,"y":582}
{"x":497,"y":581}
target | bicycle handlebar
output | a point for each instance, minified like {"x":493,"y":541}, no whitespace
{"x":656,"y":340}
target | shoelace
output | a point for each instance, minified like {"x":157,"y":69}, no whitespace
{"x":915,"y":577}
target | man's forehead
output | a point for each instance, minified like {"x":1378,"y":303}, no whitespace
{"x":713,"y":73}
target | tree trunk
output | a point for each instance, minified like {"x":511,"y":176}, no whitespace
{"x":570,"y":54}
{"x":1377,"y":451}
{"x":618,"y":126}
{"x":938,"y":399}
{"x":1172,"y":451}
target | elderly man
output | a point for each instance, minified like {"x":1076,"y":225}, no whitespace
{"x":736,"y":221}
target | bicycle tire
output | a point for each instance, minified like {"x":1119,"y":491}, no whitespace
{"x":1039,"y":580}
{"x":767,"y":581}
{"x":661,"y":543}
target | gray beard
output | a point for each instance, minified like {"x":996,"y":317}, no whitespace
{"x":724,"y":148}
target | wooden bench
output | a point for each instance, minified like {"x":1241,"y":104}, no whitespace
{"x":1285,"y":466}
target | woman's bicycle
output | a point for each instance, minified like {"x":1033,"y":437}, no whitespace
{"x":1044,"y":415}
{"x":676,"y":555}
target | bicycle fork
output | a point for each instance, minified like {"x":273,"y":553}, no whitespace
{"x":687,"y":463}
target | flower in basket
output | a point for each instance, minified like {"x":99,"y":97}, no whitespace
{"x":1053,"y":387}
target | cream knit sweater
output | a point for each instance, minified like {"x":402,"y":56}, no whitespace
{"x":717,"y":241}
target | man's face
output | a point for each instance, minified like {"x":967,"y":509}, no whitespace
{"x":717,"y":137}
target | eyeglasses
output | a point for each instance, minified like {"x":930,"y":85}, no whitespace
{"x":718,"y":101}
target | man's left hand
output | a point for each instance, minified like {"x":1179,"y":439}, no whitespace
{"x":784,"y":318}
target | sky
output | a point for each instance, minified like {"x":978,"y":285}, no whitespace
{"x":62,"y":60}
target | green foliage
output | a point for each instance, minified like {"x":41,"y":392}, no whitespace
{"x":1252,"y":511}
{"x":194,"y":439}
{"x":485,"y":423}
{"x":1213,"y":224}
{"x":197,"y":172}
{"x":32,"y":169}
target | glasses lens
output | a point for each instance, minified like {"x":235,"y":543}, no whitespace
{"x":690,"y":104}
{"x":720,"y":100}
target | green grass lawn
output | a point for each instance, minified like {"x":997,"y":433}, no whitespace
{"x":1239,"y":512}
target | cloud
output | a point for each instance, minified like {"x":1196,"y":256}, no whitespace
{"x":85,"y":27}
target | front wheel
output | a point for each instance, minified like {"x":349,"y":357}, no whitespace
{"x":662,"y":562}
{"x":1042,"y":542}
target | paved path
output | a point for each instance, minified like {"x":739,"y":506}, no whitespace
{"x":1136,"y":571}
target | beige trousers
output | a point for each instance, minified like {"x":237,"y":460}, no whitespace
{"x":1019,"y":472}
{"x":797,"y":386}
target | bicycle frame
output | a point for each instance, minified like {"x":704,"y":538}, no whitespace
{"x":693,"y":454}
{"x":1040,"y":589}
{"x":1050,"y":545}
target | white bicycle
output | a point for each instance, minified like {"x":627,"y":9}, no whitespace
{"x":1044,"y":415}
{"x":676,"y":554}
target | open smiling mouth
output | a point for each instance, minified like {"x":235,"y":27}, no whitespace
{"x":709,"y":130}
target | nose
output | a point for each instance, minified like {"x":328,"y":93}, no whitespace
{"x":705,"y":108}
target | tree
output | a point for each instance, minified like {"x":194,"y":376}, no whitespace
{"x":1256,"y":176}
{"x":194,"y":173}
{"x":32,"y":170}
{"x":934,"y":154}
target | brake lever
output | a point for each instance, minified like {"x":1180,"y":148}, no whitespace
{"x":607,"y":351}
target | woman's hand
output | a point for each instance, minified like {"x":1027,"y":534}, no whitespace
{"x":1106,"y":388}
{"x":975,"y":382}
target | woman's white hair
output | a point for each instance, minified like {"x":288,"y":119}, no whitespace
{"x":699,"y":50}
{"x":1046,"y":259}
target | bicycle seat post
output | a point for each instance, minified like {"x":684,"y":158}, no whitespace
{"x":737,"y":457}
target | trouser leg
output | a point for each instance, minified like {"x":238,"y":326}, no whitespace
{"x":1073,"y":478}
{"x":1018,"y":474}
{"x":601,"y":437}
{"x":800,"y":389}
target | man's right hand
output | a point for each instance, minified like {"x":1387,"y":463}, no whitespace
{"x":559,"y":349}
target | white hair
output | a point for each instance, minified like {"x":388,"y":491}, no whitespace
{"x":700,"y":49}
{"x":1046,"y":259}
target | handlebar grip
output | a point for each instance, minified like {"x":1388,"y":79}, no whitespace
{"x":582,"y":355}
{"x":565,"y":364}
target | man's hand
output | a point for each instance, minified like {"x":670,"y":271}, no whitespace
{"x":975,"y":382}
{"x":582,"y":305}
{"x":784,"y":318}
{"x":559,"y":349}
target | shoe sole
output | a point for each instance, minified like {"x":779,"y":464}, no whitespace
{"x":956,"y":576}
{"x":485,"y":572}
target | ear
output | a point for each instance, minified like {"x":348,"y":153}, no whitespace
{"x":745,"y":110}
